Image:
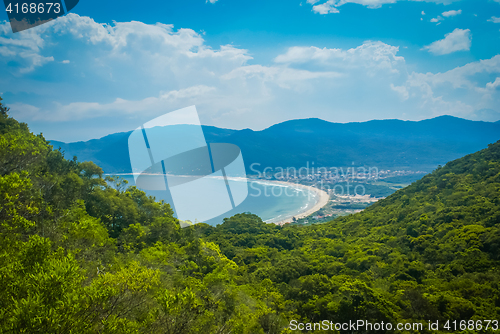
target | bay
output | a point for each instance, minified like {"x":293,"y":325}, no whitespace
{"x":270,"y":201}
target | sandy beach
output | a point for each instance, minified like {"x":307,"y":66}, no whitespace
{"x":323,"y":199}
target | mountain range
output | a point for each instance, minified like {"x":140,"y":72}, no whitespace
{"x":385,"y":144}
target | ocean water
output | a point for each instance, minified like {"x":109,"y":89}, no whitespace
{"x":272,"y":202}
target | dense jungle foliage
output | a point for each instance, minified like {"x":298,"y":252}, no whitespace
{"x":80,"y":256}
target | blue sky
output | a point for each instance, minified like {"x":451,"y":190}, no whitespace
{"x":112,"y":66}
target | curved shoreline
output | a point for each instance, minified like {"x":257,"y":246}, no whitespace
{"x":323,"y":199}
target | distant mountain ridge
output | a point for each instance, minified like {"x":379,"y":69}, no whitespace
{"x":390,"y":144}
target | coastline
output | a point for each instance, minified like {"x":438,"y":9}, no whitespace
{"x":323,"y":199}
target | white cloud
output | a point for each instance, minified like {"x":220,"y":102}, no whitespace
{"x":447,"y":14}
{"x":372,"y":56}
{"x":116,"y":67}
{"x":156,"y":49}
{"x":460,"y":77}
{"x":494,"y":19}
{"x":326,"y":8}
{"x":23,"y":109}
{"x":23,"y":49}
{"x":451,"y":13}
{"x":423,"y":13}
{"x":401,"y":90}
{"x":492,"y":86}
{"x":457,"y":91}
{"x":212,"y":1}
{"x":124,"y":74}
{"x":331,"y":6}
{"x":287,"y":78}
{"x":129,"y":60}
{"x":458,"y":40}
{"x":149,"y":106}
{"x":34,"y":60}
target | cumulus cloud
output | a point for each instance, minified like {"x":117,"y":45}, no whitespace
{"x":122,"y":70}
{"x":457,"y":91}
{"x":326,"y":8}
{"x":371,"y":55}
{"x":151,"y":47}
{"x":77,"y":111}
{"x":493,"y":86}
{"x":461,"y":77}
{"x":447,"y":14}
{"x":24,"y":110}
{"x":126,"y":73}
{"x":451,"y":13}
{"x":494,"y":19}
{"x":128,"y":60}
{"x":22,"y":49}
{"x":458,"y":40}
{"x":401,"y":90}
{"x":331,"y":6}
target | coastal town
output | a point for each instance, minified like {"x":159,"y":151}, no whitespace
{"x":341,"y":191}
{"x":332,"y":174}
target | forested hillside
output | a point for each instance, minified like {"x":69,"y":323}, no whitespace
{"x":428,"y":252}
{"x":80,"y":256}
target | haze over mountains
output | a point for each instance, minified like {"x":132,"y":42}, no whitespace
{"x":386,"y":144}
